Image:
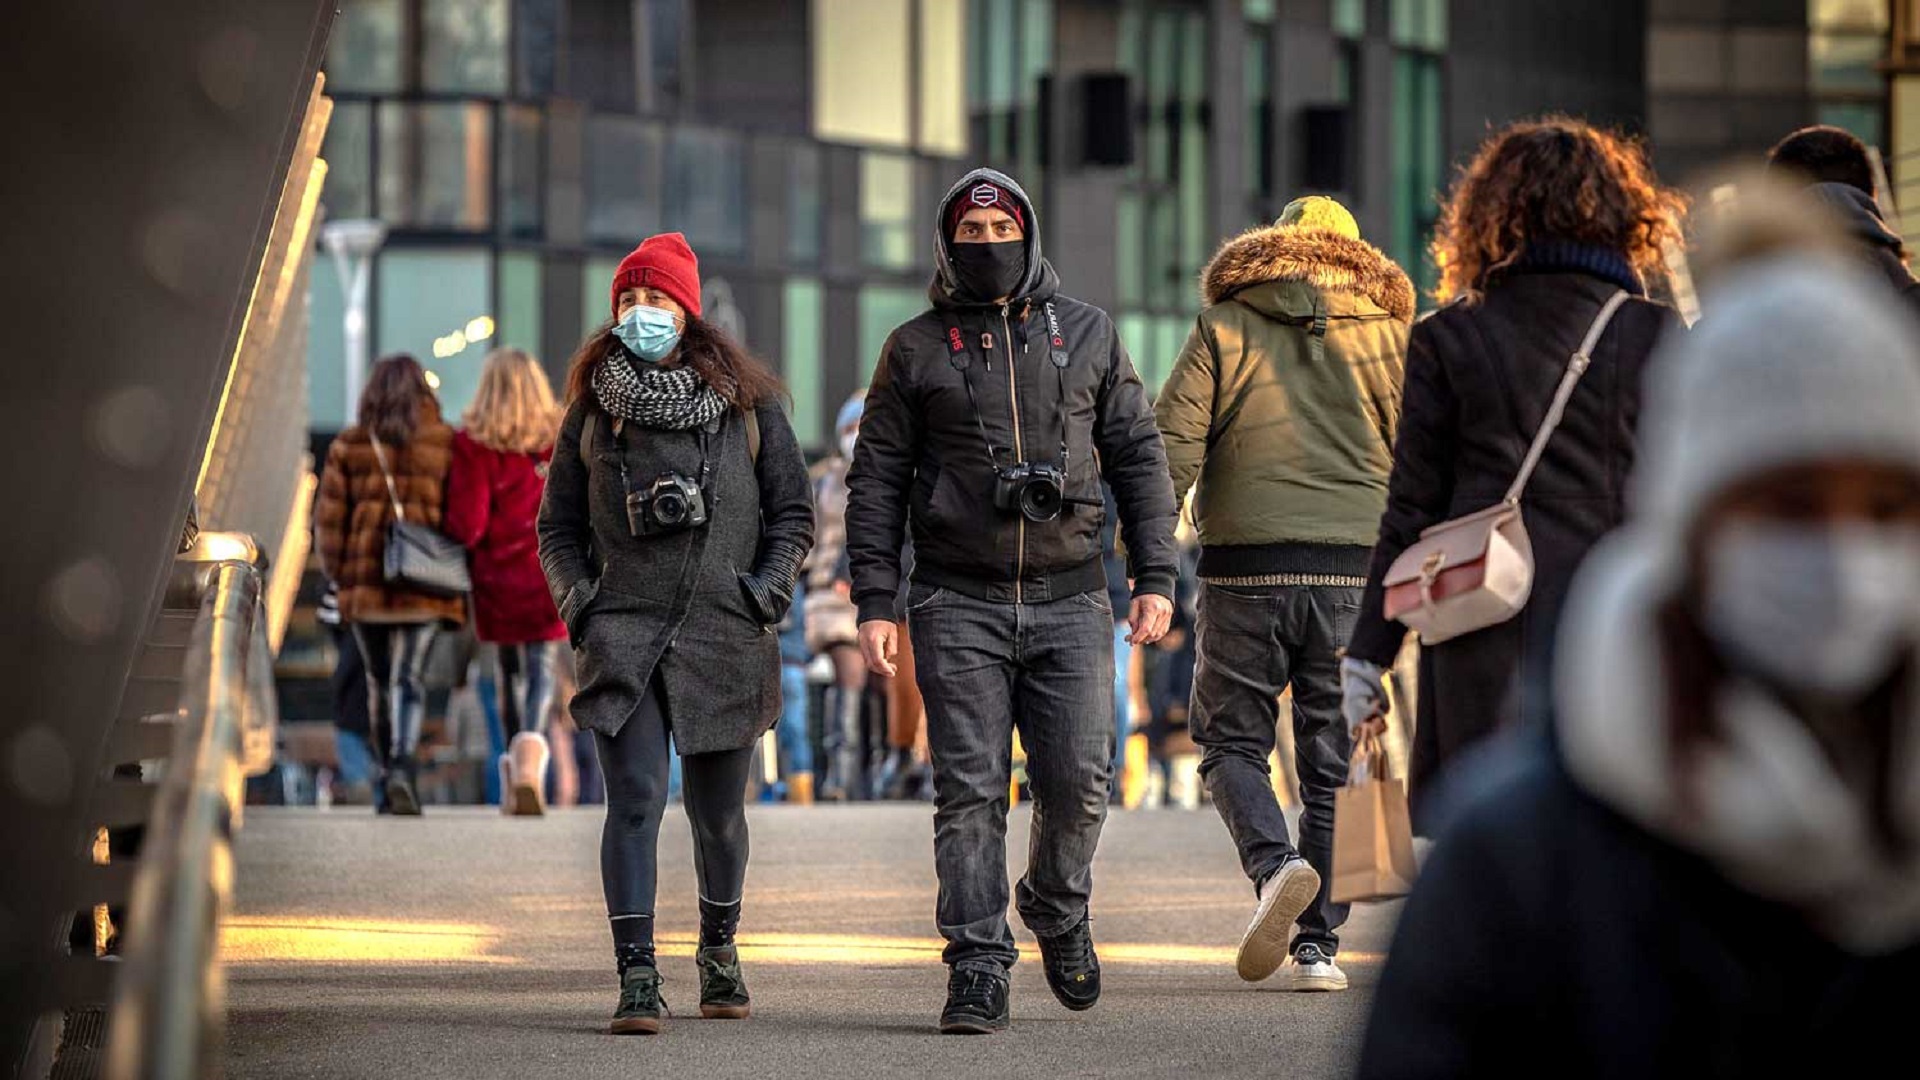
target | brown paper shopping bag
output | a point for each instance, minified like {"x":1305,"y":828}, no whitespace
{"x":1372,"y":834}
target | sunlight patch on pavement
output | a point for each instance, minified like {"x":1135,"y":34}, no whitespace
{"x":264,"y":939}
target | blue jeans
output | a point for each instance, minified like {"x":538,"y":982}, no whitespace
{"x":1122,"y":699}
{"x":986,"y":669}
{"x":796,"y":752}
{"x":357,"y":765}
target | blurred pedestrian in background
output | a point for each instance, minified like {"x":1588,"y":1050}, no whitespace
{"x":394,"y":459}
{"x":1709,"y":864}
{"x":832,"y":625}
{"x":357,"y":767}
{"x":1839,"y":171}
{"x":675,"y":522}
{"x":1282,"y":408}
{"x":493,"y":496}
{"x":791,"y":736}
{"x":1547,"y":222}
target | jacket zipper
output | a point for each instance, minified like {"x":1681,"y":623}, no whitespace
{"x":1019,"y":453}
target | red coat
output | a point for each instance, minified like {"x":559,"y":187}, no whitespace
{"x":492,"y":500}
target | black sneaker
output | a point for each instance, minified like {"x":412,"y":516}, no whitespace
{"x":403,"y":798}
{"x":1073,"y":971}
{"x":723,"y":990}
{"x":976,"y":1003}
{"x":640,"y":1005}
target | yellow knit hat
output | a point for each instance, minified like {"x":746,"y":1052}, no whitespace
{"x":1319,"y":212}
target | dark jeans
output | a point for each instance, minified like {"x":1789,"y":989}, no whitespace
{"x":635,"y":765}
{"x":1254,"y":643}
{"x":986,"y":669}
{"x":396,"y":659}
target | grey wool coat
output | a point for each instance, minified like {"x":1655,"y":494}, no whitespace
{"x":675,"y":603}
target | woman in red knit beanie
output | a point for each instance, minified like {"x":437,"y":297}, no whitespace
{"x":676,"y":516}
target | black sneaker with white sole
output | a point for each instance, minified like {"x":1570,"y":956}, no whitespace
{"x":1283,"y":897}
{"x":1314,"y":972}
{"x":976,"y":1003}
{"x":1073,"y":969}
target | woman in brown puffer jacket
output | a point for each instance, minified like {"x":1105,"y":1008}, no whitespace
{"x":399,"y":452}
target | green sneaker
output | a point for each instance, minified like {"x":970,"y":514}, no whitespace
{"x":640,"y":1004}
{"x":723,"y":991}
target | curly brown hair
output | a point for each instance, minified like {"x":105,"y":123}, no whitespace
{"x":1554,"y":178}
{"x":744,"y":380}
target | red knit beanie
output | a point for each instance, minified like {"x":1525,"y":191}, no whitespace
{"x":663,"y":262}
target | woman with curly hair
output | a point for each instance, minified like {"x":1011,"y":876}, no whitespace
{"x":1545,"y":225}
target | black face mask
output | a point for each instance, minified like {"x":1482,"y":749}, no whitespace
{"x":987,"y":272}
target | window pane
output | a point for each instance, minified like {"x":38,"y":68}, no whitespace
{"x":1128,"y":265}
{"x":882,"y":308}
{"x":348,"y":152}
{"x":623,"y":179}
{"x":519,"y":318}
{"x":1864,"y":119}
{"x":1848,"y":15}
{"x":435,"y":165}
{"x":666,"y":28}
{"x":465,"y":50}
{"x":1350,"y":18}
{"x":1136,"y":335}
{"x":861,"y":57}
{"x":943,"y":80}
{"x":426,"y":297}
{"x":1259,"y":11}
{"x":805,"y":210}
{"x":1163,"y":253}
{"x":886,"y":210}
{"x":1846,"y":62}
{"x":326,"y":347}
{"x":706,"y":190}
{"x":536,"y":46}
{"x":521,"y":127}
{"x":803,"y":323}
{"x":1419,"y":23}
{"x":364,"y":53}
{"x":1001,"y":92}
{"x":595,"y":309}
{"x":1259,"y":137}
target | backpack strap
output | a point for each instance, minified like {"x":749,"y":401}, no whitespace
{"x":587,"y":424}
{"x":753,"y":436}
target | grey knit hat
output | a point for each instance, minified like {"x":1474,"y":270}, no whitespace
{"x":1801,"y":358}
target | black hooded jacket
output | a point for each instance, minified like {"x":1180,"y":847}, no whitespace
{"x":1041,"y":395}
{"x":1881,"y":246}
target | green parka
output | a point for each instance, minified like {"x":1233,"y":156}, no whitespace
{"x":1283,"y":403}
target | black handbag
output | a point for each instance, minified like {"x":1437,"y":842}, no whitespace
{"x":418,"y":556}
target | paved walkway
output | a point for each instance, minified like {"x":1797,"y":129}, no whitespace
{"x":468,"y":946}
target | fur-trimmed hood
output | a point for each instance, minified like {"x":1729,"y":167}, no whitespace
{"x":1318,"y":257}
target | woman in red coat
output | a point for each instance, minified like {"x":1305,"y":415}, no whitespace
{"x":493,"y":496}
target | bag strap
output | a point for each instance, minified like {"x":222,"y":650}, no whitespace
{"x":753,"y":436}
{"x":380,"y":456}
{"x":587,"y":424}
{"x":1576,"y":367}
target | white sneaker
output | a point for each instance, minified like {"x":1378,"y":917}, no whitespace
{"x":1282,"y":898}
{"x":1313,"y":971}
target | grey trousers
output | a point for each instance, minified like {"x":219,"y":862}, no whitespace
{"x":985,"y":670}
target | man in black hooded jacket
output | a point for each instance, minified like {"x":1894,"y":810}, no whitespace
{"x":990,"y":423}
{"x":1835,"y":165}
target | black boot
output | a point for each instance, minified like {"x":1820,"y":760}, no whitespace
{"x":403,"y":795}
{"x":1073,"y":970}
{"x":976,"y":1003}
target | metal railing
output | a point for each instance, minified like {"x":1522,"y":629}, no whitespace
{"x":168,"y":1008}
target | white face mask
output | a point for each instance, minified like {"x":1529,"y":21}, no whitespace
{"x":1824,"y":609}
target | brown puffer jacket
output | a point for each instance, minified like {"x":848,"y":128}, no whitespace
{"x":353,"y":512}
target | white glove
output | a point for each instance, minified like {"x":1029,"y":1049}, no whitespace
{"x":1363,"y":692}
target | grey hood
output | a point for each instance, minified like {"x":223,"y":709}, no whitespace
{"x":1040,"y":283}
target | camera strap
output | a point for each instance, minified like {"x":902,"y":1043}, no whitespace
{"x":962,"y":360}
{"x":961,"y":357}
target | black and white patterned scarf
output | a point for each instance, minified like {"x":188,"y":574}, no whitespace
{"x":670,"y":399}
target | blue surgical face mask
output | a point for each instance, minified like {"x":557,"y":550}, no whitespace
{"x":648,"y":332}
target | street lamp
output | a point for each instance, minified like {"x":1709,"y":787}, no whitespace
{"x":352,"y":244}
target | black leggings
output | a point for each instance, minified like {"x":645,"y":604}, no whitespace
{"x":396,"y":659}
{"x":714,"y":787}
{"x":527,"y":708}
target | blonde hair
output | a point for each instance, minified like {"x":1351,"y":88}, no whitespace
{"x":514,"y":410}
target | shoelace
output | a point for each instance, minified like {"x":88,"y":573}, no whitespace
{"x":1075,"y":948}
{"x":636,"y":996}
{"x":976,"y":992}
{"x":718,"y":981}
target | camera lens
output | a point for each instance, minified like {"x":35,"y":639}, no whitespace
{"x":670,"y":508}
{"x":1040,"y":500}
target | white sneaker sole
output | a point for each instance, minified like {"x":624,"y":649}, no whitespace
{"x":1264,"y":947}
{"x":1318,"y":984}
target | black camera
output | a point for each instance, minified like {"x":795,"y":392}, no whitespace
{"x":1035,"y":492}
{"x":670,"y":504}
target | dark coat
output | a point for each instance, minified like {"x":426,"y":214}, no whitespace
{"x":1550,"y":936}
{"x":493,"y":497}
{"x":921,"y":457}
{"x":1479,"y":380}
{"x":675,"y":603}
{"x":354,"y":511}
{"x":1883,"y":249}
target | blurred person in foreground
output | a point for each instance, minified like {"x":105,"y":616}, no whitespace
{"x":832,"y":624}
{"x":990,"y":423}
{"x":1282,"y":408}
{"x":493,"y":496}
{"x":675,"y":521}
{"x":1546,"y":224}
{"x":1838,"y":170}
{"x":1708,"y":863}
{"x":395,"y":457}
